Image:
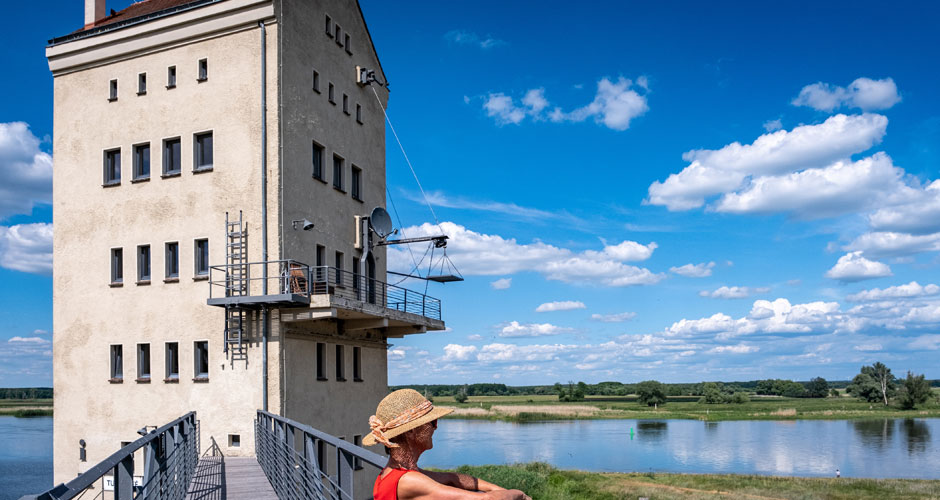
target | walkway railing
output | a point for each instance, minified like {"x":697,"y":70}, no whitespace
{"x":340,"y":283}
{"x":296,"y":459}
{"x":170,"y":454}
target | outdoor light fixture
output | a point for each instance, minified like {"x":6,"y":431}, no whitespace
{"x":142,"y":431}
{"x":304,"y":223}
{"x":81,"y":451}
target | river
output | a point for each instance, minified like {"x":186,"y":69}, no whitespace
{"x":897,"y":448}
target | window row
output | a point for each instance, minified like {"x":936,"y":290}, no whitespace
{"x":171,"y":259}
{"x":171,"y":362}
{"x":171,"y":156}
{"x":331,"y":96}
{"x":202,"y":74}
{"x":339,"y":364}
{"x":339,"y":169}
{"x":334,"y":31}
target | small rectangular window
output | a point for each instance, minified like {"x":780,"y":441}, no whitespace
{"x":346,"y":44}
{"x":234,"y":441}
{"x":321,"y":361}
{"x":355,"y":183}
{"x":171,"y":77}
{"x":201,"y":360}
{"x":143,"y":362}
{"x":117,"y":265}
{"x":172,"y":260}
{"x":141,"y":162}
{"x":203,"y":70}
{"x":202,"y":257}
{"x":340,"y":364}
{"x":338,"y":34}
{"x":357,"y":364}
{"x":172,"y":357}
{"x":117,"y":362}
{"x":171,"y":156}
{"x":329,"y":27}
{"x":112,"y":90}
{"x":331,"y":93}
{"x":317,"y":161}
{"x":338,"y":172}
{"x":321,"y":272}
{"x":321,"y":455}
{"x":316,"y":81}
{"x":339,"y":267}
{"x":143,"y":263}
{"x":357,"y":462}
{"x":112,"y":167}
{"x":141,"y":83}
{"x":202,"y":151}
{"x":345,"y":104}
{"x":358,"y":112}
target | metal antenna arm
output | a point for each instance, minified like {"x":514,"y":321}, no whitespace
{"x":439,"y":241}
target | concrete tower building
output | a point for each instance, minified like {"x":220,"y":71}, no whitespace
{"x":196,"y":142}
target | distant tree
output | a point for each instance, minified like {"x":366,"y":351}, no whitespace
{"x":817,"y":388}
{"x":651,"y":393}
{"x":740,"y":397}
{"x":914,"y":390}
{"x":461,"y":396}
{"x":712,"y":394}
{"x":560,"y":390}
{"x":580,"y":391}
{"x":834,"y":392}
{"x":874,"y":383}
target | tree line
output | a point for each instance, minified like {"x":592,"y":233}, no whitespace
{"x":26,"y":393}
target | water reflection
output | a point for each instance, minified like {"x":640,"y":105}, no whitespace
{"x":918,"y":435}
{"x":878,"y":448}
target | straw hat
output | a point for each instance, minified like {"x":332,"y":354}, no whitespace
{"x":398,"y":413}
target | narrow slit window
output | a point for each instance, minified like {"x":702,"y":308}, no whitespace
{"x":172,"y":357}
{"x":141,"y":162}
{"x":317,"y":161}
{"x":112,"y":90}
{"x":331,"y":93}
{"x":143,"y":263}
{"x":171,"y":156}
{"x":172,"y":260}
{"x":316,"y":81}
{"x":201,"y":360}
{"x":142,"y":84}
{"x":345,"y":104}
{"x":355,"y":183}
{"x":346,"y":44}
{"x":321,"y":272}
{"x":171,"y":77}
{"x":202,"y":154}
{"x":117,"y":265}
{"x":203,"y":70}
{"x":340,"y":364}
{"x":338,"y":33}
{"x":202,"y":257}
{"x":339,"y":268}
{"x":329,"y":27}
{"x":143,"y":362}
{"x":321,"y":454}
{"x":358,"y":112}
{"x":117,"y":362}
{"x":357,"y":364}
{"x":112,"y":167}
{"x":321,"y":361}
{"x":357,"y":462}
{"x":338,"y":172}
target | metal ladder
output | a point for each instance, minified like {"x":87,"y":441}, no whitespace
{"x":236,"y":284}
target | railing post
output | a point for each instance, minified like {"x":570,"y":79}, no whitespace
{"x":344,"y":476}
{"x":405,"y":306}
{"x":124,"y":479}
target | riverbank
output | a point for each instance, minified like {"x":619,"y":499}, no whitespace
{"x":534,"y":408}
{"x":26,"y":407}
{"x":543,"y":482}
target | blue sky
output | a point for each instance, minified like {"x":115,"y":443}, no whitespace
{"x":672,"y":192}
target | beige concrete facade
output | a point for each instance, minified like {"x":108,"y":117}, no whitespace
{"x":91,"y":313}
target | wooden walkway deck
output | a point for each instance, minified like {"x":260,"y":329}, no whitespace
{"x":232,"y":478}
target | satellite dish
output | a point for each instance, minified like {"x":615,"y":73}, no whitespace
{"x":380,"y":222}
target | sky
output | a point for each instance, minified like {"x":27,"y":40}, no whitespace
{"x":673,"y":191}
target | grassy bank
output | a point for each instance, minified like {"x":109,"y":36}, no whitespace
{"x":543,"y":482}
{"x":26,"y":407}
{"x":532,"y":408}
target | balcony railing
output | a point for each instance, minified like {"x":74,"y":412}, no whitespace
{"x":297,"y":459}
{"x":292,"y":278}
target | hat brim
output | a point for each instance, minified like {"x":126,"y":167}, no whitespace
{"x":435,"y":413}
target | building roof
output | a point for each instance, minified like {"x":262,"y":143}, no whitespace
{"x":136,"y":13}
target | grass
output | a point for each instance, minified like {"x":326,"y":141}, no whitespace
{"x":544,"y":482}
{"x":26,"y":407}
{"x":531,"y":408}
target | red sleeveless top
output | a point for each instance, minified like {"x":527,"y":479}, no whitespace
{"x":386,"y":488}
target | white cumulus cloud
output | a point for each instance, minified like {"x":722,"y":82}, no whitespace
{"x":565,"y":305}
{"x":462,"y":37}
{"x":701,"y":270}
{"x":457,"y":352}
{"x":890,"y":244}
{"x":501,"y":284}
{"x":864,"y":93}
{"x":614,"y":318}
{"x":734,"y":349}
{"x":919,"y":215}
{"x":853,"y":267}
{"x":25,"y":169}
{"x":868,"y":347}
{"x":516,"y":329}
{"x":733,"y":292}
{"x":908,"y":291}
{"x":27,"y":248}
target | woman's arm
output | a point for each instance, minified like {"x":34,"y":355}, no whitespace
{"x":422,"y":487}
{"x":462,"y":481}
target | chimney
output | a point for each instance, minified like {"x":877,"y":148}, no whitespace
{"x":94,"y":11}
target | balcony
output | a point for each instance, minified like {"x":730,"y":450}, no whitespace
{"x":311,"y":293}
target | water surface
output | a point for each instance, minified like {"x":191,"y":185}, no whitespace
{"x":25,"y":456}
{"x":895,"y":448}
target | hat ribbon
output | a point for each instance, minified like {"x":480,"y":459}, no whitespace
{"x":410,"y":415}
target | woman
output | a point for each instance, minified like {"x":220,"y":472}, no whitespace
{"x":404,"y":422}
